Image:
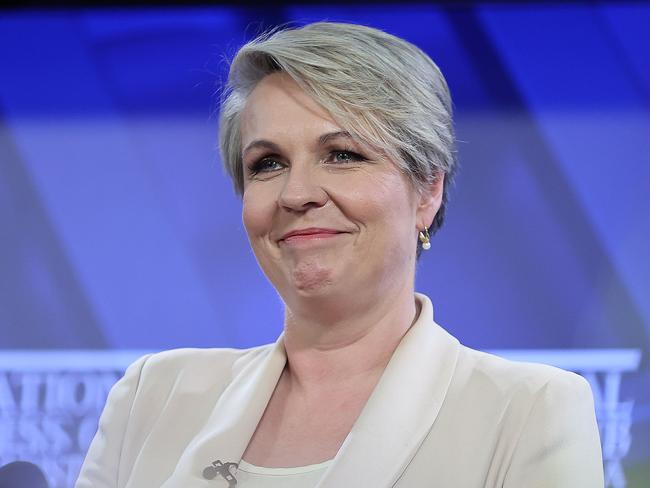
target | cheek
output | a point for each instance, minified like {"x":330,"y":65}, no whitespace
{"x":255,"y":213}
{"x":385,"y":200}
{"x":388,"y":207}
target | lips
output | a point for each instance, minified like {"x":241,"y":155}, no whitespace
{"x":310,"y":233}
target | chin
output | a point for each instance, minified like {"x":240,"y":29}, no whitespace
{"x":311,"y":279}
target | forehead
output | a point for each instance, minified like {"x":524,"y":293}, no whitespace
{"x":278,"y":108}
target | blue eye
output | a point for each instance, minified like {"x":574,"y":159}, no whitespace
{"x":346,"y":157}
{"x":265,"y":165}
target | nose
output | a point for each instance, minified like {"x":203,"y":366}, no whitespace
{"x":302,"y":190}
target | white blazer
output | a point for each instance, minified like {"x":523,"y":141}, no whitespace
{"x":442,"y":415}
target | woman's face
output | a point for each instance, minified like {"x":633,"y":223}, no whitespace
{"x":324,"y":214}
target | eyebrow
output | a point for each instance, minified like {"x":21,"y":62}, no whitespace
{"x":325,"y":138}
{"x":322,"y":140}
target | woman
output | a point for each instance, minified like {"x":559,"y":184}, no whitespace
{"x":340,"y":140}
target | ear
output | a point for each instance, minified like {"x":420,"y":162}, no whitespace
{"x":429,"y":203}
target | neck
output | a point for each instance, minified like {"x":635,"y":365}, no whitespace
{"x":343,"y":349}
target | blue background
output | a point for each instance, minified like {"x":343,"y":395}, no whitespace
{"x":120,"y":230}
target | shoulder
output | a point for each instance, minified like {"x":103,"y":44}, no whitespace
{"x":546,"y":418}
{"x":518,"y":394}
{"x":516,"y":378}
{"x":146,"y":402}
{"x":538,"y":420}
{"x":193,"y":358}
{"x":177,"y":373}
{"x":547,"y":413}
{"x":195,"y":365}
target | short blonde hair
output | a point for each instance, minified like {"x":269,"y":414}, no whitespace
{"x":381,"y":89}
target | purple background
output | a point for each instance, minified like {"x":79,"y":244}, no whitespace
{"x":119,"y":229}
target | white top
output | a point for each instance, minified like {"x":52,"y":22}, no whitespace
{"x":251,"y":476}
{"x":441,"y":415}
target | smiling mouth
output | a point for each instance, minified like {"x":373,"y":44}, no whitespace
{"x":304,"y":235}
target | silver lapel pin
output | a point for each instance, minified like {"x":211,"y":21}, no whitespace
{"x":218,"y":467}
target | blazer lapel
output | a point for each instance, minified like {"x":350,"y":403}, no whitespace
{"x":401,"y":409}
{"x":233,"y":420}
{"x":383,"y":440}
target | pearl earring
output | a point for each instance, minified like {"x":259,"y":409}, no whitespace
{"x":424,"y":239}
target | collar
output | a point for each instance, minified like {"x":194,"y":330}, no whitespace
{"x":395,"y":420}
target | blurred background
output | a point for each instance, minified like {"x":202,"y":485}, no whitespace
{"x":120,"y":233}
